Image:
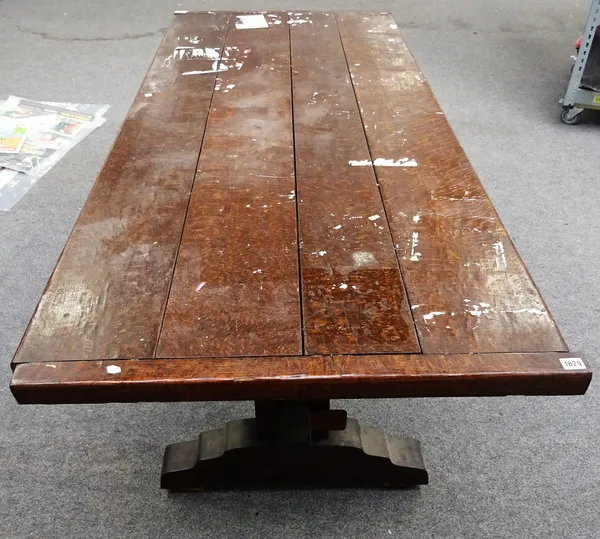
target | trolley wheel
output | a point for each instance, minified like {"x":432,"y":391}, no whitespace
{"x":569,"y":119}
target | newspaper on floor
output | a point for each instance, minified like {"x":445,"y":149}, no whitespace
{"x":51,"y":130}
{"x":12,"y":134}
{"x":13,"y":185}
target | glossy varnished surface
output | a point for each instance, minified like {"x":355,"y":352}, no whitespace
{"x":107,"y":295}
{"x":307,"y":377}
{"x":352,"y":291}
{"x":240,"y":232}
{"x":469,"y":290}
{"x":162,"y":295}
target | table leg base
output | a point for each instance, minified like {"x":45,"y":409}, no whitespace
{"x":235,"y":456}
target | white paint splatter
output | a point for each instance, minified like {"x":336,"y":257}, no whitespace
{"x":477,"y":310}
{"x":500,"y":256}
{"x":363,"y":258}
{"x":532,"y":311}
{"x":363,"y":163}
{"x":257,"y":271}
{"x":374,"y":217}
{"x":248,"y":22}
{"x":393,"y":26}
{"x":337,"y":227}
{"x":417,"y":306}
{"x":192,"y":52}
{"x":320,"y":253}
{"x":414,"y":255}
{"x":216,"y":67}
{"x":381,"y":162}
{"x":430,"y":315}
{"x":343,"y":286}
{"x":51,"y":365}
{"x":179,"y":12}
{"x":417,"y":217}
{"x":403,"y":162}
{"x":113,"y":369}
{"x":148,"y":95}
{"x":200,"y":286}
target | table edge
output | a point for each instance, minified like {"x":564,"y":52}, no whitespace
{"x":298,"y":377}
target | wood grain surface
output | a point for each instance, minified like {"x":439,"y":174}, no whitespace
{"x":307,"y":377}
{"x":469,"y":289}
{"x":240,"y":232}
{"x":107,"y":295}
{"x":352,"y":292}
{"x":282,"y":253}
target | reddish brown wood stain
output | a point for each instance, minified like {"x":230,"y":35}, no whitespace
{"x":163,"y":296}
{"x":469,"y":290}
{"x":240,"y":233}
{"x":306,"y":377}
{"x":353,"y":295}
{"x":107,"y":294}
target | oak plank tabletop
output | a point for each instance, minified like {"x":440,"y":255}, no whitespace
{"x":240,"y":233}
{"x":353,"y":295}
{"x":107,"y":295}
{"x":286,"y":213}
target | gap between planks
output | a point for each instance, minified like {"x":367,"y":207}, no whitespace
{"x":385,"y":211}
{"x":185,"y":215}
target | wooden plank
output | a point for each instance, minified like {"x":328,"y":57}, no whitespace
{"x":306,"y":377}
{"x":352,"y":292}
{"x":240,"y":233}
{"x":107,"y":295}
{"x":469,"y":290}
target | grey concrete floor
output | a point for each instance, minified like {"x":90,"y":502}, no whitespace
{"x":507,"y":467}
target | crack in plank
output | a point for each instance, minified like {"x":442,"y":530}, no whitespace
{"x":50,"y":37}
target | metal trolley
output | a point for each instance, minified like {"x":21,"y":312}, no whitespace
{"x":581,"y":95}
